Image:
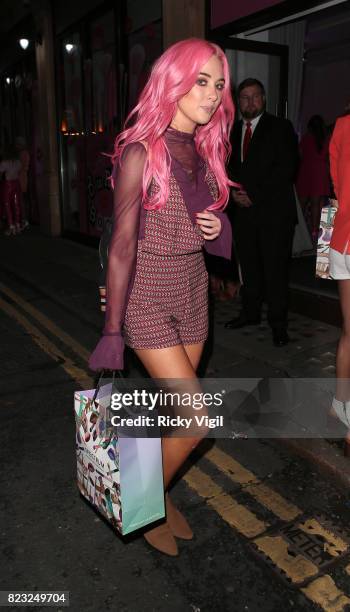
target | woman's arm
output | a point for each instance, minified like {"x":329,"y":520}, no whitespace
{"x":217,"y":233}
{"x":122,"y":251}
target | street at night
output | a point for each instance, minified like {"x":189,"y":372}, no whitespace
{"x":271,"y":529}
{"x":175,"y":305}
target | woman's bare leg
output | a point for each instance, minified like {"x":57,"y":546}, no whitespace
{"x":179,"y":362}
{"x":194,"y":354}
{"x":343,"y":351}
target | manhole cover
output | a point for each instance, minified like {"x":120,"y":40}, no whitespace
{"x":301,"y":549}
{"x":317,"y":539}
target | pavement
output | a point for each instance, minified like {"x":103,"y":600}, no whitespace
{"x":244,"y":494}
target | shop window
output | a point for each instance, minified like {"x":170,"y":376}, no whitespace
{"x":102,"y":116}
{"x":72,"y":131}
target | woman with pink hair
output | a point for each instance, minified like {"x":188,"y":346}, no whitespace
{"x":170,"y":188}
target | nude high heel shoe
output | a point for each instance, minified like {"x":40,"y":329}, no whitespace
{"x":162,"y":539}
{"x":177,"y":522}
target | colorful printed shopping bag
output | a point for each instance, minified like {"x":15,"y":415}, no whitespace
{"x":324,"y":238}
{"x":121,"y":477}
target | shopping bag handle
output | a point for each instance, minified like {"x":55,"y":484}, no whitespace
{"x":115,"y":373}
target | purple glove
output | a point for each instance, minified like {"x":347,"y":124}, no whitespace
{"x":108,"y":354}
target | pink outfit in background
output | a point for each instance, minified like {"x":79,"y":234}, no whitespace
{"x":12,"y":191}
{"x":24,"y":158}
{"x":339,"y":152}
{"x":12,"y":202}
{"x":12,"y":169}
{"x":313,"y":178}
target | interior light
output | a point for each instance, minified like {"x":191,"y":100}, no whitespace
{"x":24,"y":42}
{"x":8,"y":80}
{"x":69,"y":47}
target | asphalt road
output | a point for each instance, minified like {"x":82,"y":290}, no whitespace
{"x":271,"y":533}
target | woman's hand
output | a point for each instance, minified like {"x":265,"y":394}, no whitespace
{"x":209,"y":224}
{"x":108,"y":354}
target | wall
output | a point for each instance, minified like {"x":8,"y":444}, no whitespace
{"x":67,"y":13}
{"x":141,"y":14}
{"x":326,"y":86}
{"x":224,"y":11}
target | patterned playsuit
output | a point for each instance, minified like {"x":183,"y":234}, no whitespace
{"x":168,"y":304}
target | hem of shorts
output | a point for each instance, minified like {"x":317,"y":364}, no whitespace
{"x":340,"y":276}
{"x":167,"y":345}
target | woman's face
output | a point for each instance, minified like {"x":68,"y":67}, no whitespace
{"x":200,"y":103}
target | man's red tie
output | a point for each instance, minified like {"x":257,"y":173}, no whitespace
{"x":247,"y":138}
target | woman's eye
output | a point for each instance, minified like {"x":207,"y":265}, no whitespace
{"x":220,"y":86}
{"x":201,"y":82}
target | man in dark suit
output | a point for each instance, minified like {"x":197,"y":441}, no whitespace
{"x":263,"y":211}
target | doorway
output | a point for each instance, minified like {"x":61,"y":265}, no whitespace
{"x":265,"y":61}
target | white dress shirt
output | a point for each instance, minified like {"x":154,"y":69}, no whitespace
{"x":253,"y":123}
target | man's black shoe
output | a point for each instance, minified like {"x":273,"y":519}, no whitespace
{"x":241,"y":321}
{"x":280,"y":337}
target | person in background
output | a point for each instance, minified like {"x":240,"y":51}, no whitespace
{"x":339,"y":261}
{"x":170,"y":188}
{"x":264,"y":162}
{"x":11,"y":192}
{"x":313,"y":180}
{"x":24,"y":158}
{"x":223,"y":277}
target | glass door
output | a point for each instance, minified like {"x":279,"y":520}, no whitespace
{"x":267,"y":62}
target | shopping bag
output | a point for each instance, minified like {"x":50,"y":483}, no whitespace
{"x":120,"y":476}
{"x":324,"y":238}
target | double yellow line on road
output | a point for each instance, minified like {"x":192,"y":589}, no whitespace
{"x":41,"y":340}
{"x":322,"y":590}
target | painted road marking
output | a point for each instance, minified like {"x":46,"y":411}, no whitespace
{"x":333,"y":544}
{"x":46,"y":322}
{"x":48,"y":347}
{"x":269,"y":498}
{"x":233,"y":513}
{"x":230,"y":466}
{"x":297,"y":568}
{"x":302,"y":549}
{"x":324,"y":592}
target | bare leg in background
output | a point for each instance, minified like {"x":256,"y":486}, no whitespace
{"x":343,"y":351}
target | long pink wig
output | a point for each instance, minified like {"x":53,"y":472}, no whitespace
{"x":172,"y":76}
